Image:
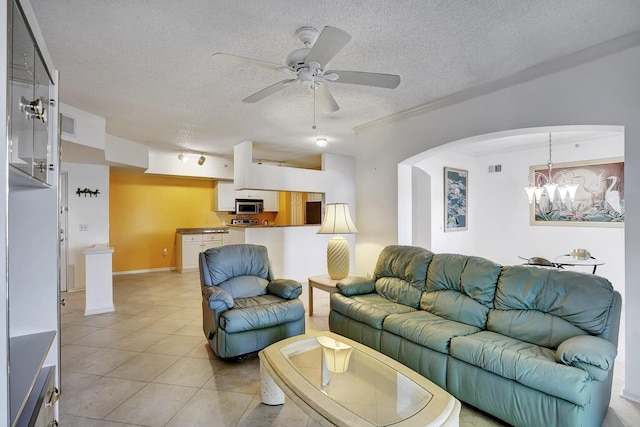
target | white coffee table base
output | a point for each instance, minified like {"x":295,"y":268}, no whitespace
{"x":270,"y":393}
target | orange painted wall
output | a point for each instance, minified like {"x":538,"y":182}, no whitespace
{"x":144,"y":212}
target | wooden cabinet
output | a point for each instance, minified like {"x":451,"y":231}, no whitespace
{"x":29,"y":258}
{"x":189,"y":247}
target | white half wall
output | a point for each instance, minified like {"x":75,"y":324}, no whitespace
{"x":90,"y":211}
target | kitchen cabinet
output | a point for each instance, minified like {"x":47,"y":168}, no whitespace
{"x":315,"y":197}
{"x":226,"y":195}
{"x":271,"y":202}
{"x":189,"y":247}
{"x":30,"y":333}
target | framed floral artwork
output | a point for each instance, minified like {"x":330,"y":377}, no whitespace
{"x":456,"y":182}
{"x":598,"y":200}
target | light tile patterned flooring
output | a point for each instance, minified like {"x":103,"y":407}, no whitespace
{"x":148,"y":364}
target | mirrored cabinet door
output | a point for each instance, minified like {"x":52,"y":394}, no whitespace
{"x":29,"y":84}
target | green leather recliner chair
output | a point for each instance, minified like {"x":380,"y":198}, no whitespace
{"x":243,"y":308}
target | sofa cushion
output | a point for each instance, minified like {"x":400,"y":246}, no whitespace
{"x":455,"y":306}
{"x":260,"y":312}
{"x":369,"y":309}
{"x":244,"y":286}
{"x":236,"y":260}
{"x":547,"y":307}
{"x":427,"y":329}
{"x":400,"y":273}
{"x":460,"y":288}
{"x":528,"y":364}
{"x":594,"y":355}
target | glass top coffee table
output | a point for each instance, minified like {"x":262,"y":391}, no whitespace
{"x":338,"y":381}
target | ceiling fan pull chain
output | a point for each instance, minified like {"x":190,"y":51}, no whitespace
{"x":314,"y":103}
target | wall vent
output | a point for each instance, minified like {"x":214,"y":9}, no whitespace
{"x":495,"y":168}
{"x":68,"y":125}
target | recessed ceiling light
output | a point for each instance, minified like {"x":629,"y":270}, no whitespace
{"x":321,"y":142}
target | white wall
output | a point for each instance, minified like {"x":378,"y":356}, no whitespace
{"x":498,"y":205}
{"x":603,"y":91}
{"x":89,"y":128}
{"x":168,"y":164}
{"x":120,"y":150}
{"x":462,"y":241}
{"x":93,"y":211}
{"x":506,"y":212}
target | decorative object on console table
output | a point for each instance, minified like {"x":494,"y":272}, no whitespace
{"x":337,"y":220}
{"x":456,"y":183}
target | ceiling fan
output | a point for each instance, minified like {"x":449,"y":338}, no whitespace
{"x":307,"y":66}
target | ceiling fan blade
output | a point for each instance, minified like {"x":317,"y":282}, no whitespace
{"x":329,"y":42}
{"x":260,"y":95}
{"x":325,"y":99}
{"x":235,"y":59}
{"x":389,"y":81}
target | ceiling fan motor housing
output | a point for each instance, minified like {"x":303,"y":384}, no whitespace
{"x":297,"y":58}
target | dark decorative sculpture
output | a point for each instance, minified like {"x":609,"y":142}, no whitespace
{"x":87,"y":191}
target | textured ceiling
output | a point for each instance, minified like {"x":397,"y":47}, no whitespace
{"x":146,"y":65}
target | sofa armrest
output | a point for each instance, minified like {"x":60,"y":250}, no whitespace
{"x":285,"y":288}
{"x":218,"y":299}
{"x":355,"y":285}
{"x":592,"y":354}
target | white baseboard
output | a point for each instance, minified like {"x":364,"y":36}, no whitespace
{"x":147,"y":270}
{"x":107,"y":309}
{"x":630,"y":396}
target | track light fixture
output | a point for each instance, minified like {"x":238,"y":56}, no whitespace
{"x":202,"y":159}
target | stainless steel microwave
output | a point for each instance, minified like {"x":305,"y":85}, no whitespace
{"x":249,"y":206}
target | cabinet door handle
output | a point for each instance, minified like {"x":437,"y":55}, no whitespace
{"x":53,"y":397}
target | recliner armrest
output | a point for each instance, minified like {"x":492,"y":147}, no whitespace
{"x":218,"y":299}
{"x":592,"y":354}
{"x":285,"y":288}
{"x":355,"y":285}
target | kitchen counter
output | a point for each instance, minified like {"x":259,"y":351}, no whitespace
{"x":271,"y":225}
{"x":204,"y":230}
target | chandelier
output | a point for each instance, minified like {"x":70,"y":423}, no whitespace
{"x":560,"y":183}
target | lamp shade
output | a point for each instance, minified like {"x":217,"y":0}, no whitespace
{"x":337,"y":220}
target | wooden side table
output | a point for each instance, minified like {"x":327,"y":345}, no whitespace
{"x":323,"y":282}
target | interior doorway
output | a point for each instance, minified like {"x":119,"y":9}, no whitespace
{"x":63,"y":223}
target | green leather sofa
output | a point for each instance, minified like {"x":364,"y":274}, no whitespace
{"x":531,"y":346}
{"x":244,"y":309}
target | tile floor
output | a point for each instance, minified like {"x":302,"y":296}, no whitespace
{"x":148,"y":364}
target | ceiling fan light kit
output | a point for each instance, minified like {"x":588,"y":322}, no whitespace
{"x":307,"y":66}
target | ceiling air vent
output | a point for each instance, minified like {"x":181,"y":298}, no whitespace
{"x":68,"y":125}
{"x":495,"y":168}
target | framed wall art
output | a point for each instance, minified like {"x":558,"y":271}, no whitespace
{"x":456,"y":182}
{"x":598,"y":200}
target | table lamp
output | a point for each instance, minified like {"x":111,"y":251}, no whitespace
{"x":337,"y":220}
